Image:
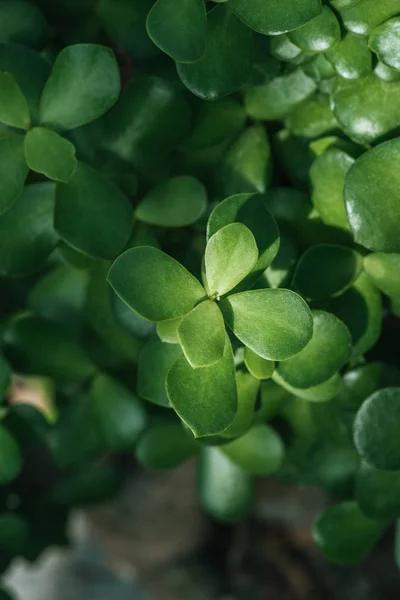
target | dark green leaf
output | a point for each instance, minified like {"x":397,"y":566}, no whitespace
{"x":384,"y":270}
{"x":83,"y":85}
{"x":201,"y":334}
{"x":165,"y":445}
{"x":14,"y":109}
{"x":13,"y":170}
{"x":14,"y":534}
{"x":378,"y":492}
{"x":319,"y":34}
{"x":273,"y":16}
{"x":50,"y":154}
{"x":216,"y":122}
{"x":155,"y":362}
{"x":22,"y":22}
{"x":5,"y":377}
{"x":92,"y":214}
{"x":258,"y":452}
{"x":87,"y":485}
{"x":10,"y":457}
{"x":247,"y":390}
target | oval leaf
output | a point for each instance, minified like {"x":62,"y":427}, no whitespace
{"x":14,"y":109}
{"x":385,"y":42}
{"x":318,"y":35}
{"x":260,"y":451}
{"x":50,"y":154}
{"x":155,"y":362}
{"x":165,"y":445}
{"x":13,"y":170}
{"x":384,"y":270}
{"x":378,"y":492}
{"x":274,"y":17}
{"x":259,"y":367}
{"x":201,"y":335}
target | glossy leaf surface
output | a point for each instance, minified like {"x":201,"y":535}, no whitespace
{"x":274,"y":17}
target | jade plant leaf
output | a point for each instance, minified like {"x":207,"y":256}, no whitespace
{"x":312,"y":118}
{"x":323,"y":392}
{"x":329,"y":348}
{"x":225,"y":490}
{"x":272,"y":17}
{"x":11,"y":458}
{"x":165,"y":445}
{"x":247,"y":391}
{"x":351,"y":58}
{"x":92,"y":215}
{"x":155,"y":362}
{"x":226,"y":63}
{"x":179,"y":28}
{"x":376,"y":430}
{"x":364,"y":16}
{"x":177,"y":202}
{"x":378,"y":492}
{"x":326,"y":270}
{"x":319,"y":34}
{"x":384,"y":270}
{"x":250,"y":210}
{"x":259,"y":367}
{"x":27,"y":236}
{"x":230,"y":255}
{"x":50,"y":154}
{"x":371,"y":195}
{"x":167,"y":330}
{"x":83,"y":85}
{"x":204,"y":398}
{"x":155,"y":285}
{"x":385,"y":42}
{"x":275,"y":324}
{"x":260,"y":451}
{"x":14,"y":109}
{"x":201,"y":334}
{"x":119,"y":415}
{"x":13,"y":170}
{"x":344,"y":534}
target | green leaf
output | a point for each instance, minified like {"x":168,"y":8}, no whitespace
{"x":14,"y":109}
{"x":131,"y":321}
{"x":327,"y":176}
{"x":319,"y":34}
{"x":247,"y":390}
{"x":376,"y":174}
{"x":155,"y":362}
{"x":247,"y":164}
{"x":177,"y":202}
{"x":360,"y":308}
{"x":283,"y":49}
{"x":363,"y":17}
{"x":251,"y":211}
{"x":272,"y":17}
{"x":14,"y":534}
{"x":216,"y":122}
{"x":83,"y":85}
{"x":326,"y":353}
{"x":154,"y":285}
{"x":277,"y":98}
{"x":278,"y":274}
{"x":226,"y":63}
{"x":344,"y":534}
{"x":27,"y":236}
{"x":260,"y":451}
{"x":312,"y":118}
{"x":226,"y":492}
{"x":387,"y":73}
{"x":272,"y":397}
{"x":119,"y":415}
{"x":351,"y":58}
{"x":323,"y":392}
{"x":92,"y":215}
{"x":378,"y":492}
{"x":319,"y":68}
{"x":50,"y":154}
{"x":275,"y":324}
{"x":88,"y":485}
{"x":230,"y":255}
{"x":363,"y":381}
{"x":179,"y":28}
{"x":13,"y":170}
{"x":259,"y":367}
{"x":167,"y":330}
{"x":326,"y":270}
{"x":384,"y":270}
{"x":10,"y":457}
{"x":385,"y":42}
{"x":165,"y":445}
{"x":204,"y":398}
{"x":376,"y":434}
{"x":201,"y":334}
{"x":22,"y":22}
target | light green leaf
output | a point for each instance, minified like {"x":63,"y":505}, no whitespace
{"x":260,"y":451}
{"x":177,"y":202}
{"x":167,"y":330}
{"x":275,"y":324}
{"x":251,"y":211}
{"x":384,"y":270}
{"x":247,"y":390}
{"x":155,"y":362}
{"x":14,"y":109}
{"x":364,"y":16}
{"x":165,"y":445}
{"x":327,"y":176}
{"x":27,"y":236}
{"x":154,"y":285}
{"x":323,"y":392}
{"x":179,"y":28}
{"x":363,"y":381}
{"x":344,"y":534}
{"x":259,"y":367}
{"x":326,"y":353}
{"x":226,"y":63}
{"x":13,"y":170}
{"x":201,"y":334}
{"x":226,"y":491}
{"x":204,"y":398}
{"x":387,"y":73}
{"x":92,"y":215}
{"x":50,"y":154}
{"x":312,"y":118}
{"x":273,"y":16}
{"x":378,"y":492}
{"x":22,"y":22}
{"x":272,"y":397}
{"x":351,"y":58}
{"x":319,"y":34}
{"x":326,"y":270}
{"x":230,"y":255}
{"x":83,"y":85}
{"x":376,"y":431}
{"x":119,"y":415}
{"x":385,"y":42}
{"x":376,"y":174}
{"x":10,"y":457}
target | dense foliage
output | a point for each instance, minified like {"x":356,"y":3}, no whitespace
{"x":200,"y":256}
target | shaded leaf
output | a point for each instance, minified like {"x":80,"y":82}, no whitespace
{"x":50,"y":154}
{"x":258,"y":452}
{"x":14,"y":109}
{"x":13,"y":170}
{"x":165,"y":445}
{"x":155,"y":362}
{"x":275,"y":17}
